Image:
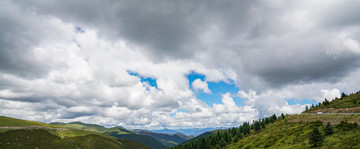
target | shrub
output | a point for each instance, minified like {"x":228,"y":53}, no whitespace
{"x":344,"y":125}
{"x":316,"y":138}
{"x":328,"y":129}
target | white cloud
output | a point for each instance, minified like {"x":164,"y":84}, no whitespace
{"x":330,"y":94}
{"x":50,"y":72}
{"x":200,"y":85}
{"x":227,"y":106}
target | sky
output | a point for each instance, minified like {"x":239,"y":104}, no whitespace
{"x":155,"y":64}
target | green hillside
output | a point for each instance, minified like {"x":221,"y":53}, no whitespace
{"x":147,"y":140}
{"x":92,"y":127}
{"x":344,"y":104}
{"x":16,"y":133}
{"x":292,"y":131}
{"x":7,"y":121}
{"x":117,"y":132}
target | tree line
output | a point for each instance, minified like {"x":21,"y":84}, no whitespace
{"x":221,"y":138}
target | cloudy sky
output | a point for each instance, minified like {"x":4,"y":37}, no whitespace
{"x":174,"y":63}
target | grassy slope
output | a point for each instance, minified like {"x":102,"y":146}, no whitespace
{"x":117,"y":132}
{"x":348,"y":104}
{"x":293,"y":132}
{"x":147,"y":140}
{"x":7,"y":121}
{"x":51,"y":138}
{"x":92,"y":127}
{"x":40,"y":138}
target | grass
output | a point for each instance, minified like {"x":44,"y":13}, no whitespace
{"x":115,"y":132}
{"x":92,"y":127}
{"x":347,"y":104}
{"x":7,"y":121}
{"x":40,"y":138}
{"x":294,"y":131}
{"x":31,"y":134}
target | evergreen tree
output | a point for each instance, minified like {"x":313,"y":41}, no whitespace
{"x":246,"y":128}
{"x":343,"y":95}
{"x":241,"y":129}
{"x":213,"y":141}
{"x":235,"y":139}
{"x":222,"y":143}
{"x":257,"y":125}
{"x":326,"y":102}
{"x":273,"y":118}
{"x":202,"y":144}
{"x":282,"y":116}
{"x":328,"y":129}
{"x":306,"y":108}
{"x":263,"y":124}
{"x":316,"y":138}
{"x":267,"y":120}
{"x":239,"y":135}
{"x":233,"y":131}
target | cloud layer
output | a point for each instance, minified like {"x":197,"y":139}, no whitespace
{"x":70,"y":60}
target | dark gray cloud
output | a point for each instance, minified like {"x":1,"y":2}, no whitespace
{"x":19,"y":33}
{"x":167,"y":29}
{"x":261,"y":33}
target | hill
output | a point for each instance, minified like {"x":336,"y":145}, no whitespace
{"x":292,"y":131}
{"x":168,"y":140}
{"x":7,"y":121}
{"x":16,"y":133}
{"x":118,"y":132}
{"x":165,"y":131}
{"x":344,"y":104}
{"x":188,"y":132}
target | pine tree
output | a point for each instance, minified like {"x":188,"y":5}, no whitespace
{"x":326,"y":102}
{"x":328,"y":129}
{"x":343,"y":95}
{"x":267,"y":120}
{"x":241,"y":129}
{"x":213,"y":140}
{"x":316,"y":138}
{"x":235,"y":139}
{"x":202,"y":143}
{"x":282,"y":116}
{"x":263,"y":124}
{"x":233,"y":131}
{"x":273,"y":118}
{"x":239,"y":135}
{"x":306,"y":108}
{"x":257,"y":125}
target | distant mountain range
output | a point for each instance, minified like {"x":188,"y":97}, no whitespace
{"x":118,"y":132}
{"x":168,"y":140}
{"x":189,"y":132}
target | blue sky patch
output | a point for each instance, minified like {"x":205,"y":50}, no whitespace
{"x":79,"y":29}
{"x":294,"y":101}
{"x":217,"y":89}
{"x":174,"y":113}
{"x":149,"y":80}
